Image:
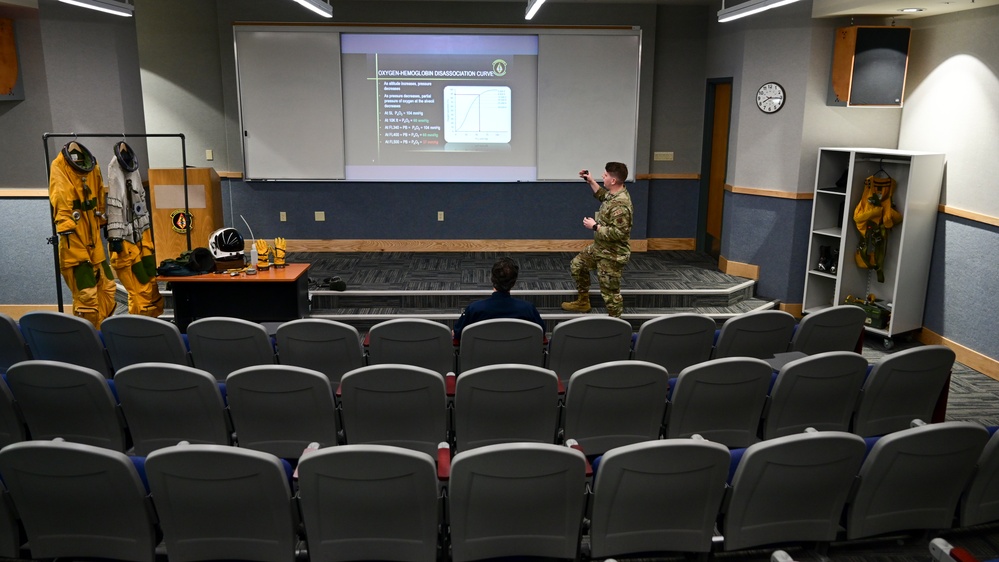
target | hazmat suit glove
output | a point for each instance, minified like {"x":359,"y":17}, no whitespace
{"x":280,"y":250}
{"x":263,"y":252}
{"x":116,"y":245}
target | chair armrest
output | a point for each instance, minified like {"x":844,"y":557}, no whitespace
{"x":573,"y":444}
{"x":561,"y":388}
{"x":450,"y":381}
{"x":443,"y":461}
{"x":312,"y":448}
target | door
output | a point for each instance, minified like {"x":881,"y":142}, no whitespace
{"x":715,"y":162}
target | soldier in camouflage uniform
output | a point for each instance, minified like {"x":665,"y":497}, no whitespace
{"x":611,"y":248}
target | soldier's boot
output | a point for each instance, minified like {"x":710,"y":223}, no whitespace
{"x":581,"y":304}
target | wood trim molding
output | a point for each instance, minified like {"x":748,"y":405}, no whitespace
{"x":668,"y":176}
{"x":16,"y":311}
{"x":672,"y":244}
{"x":747,"y":270}
{"x":448,"y":245}
{"x":970,"y":215}
{"x":24,"y":192}
{"x":231,"y":175}
{"x":977,"y":361}
{"x":801,"y":195}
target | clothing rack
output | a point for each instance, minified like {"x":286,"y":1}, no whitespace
{"x":54,"y":239}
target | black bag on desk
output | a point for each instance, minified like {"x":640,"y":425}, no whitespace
{"x":191,"y":262}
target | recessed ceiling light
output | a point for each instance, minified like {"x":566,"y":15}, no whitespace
{"x":911,"y":10}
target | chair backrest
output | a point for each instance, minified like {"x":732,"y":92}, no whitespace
{"x":327,"y":346}
{"x":638,"y":488}
{"x":412,"y":341}
{"x":68,"y":401}
{"x":516,"y":499}
{"x":505,"y":403}
{"x":223,"y":345}
{"x":837,"y":328}
{"x":792,"y":488}
{"x":12,"y":428}
{"x":756,"y":334}
{"x":399,"y":405}
{"x":501,"y":340}
{"x":912,"y":479}
{"x":370,"y":502}
{"x":819,"y":391}
{"x":79,"y":501}
{"x":722,"y":400}
{"x":55,"y":336}
{"x":133,"y":338}
{"x":583,"y":342}
{"x":980,"y":500}
{"x":281,"y":409}
{"x":676,"y":341}
{"x":614,"y":404}
{"x":901,"y":387}
{"x":13,"y":348}
{"x":218,"y":502}
{"x":165,"y":404}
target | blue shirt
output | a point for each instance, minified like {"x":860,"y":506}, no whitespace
{"x":499,"y":305}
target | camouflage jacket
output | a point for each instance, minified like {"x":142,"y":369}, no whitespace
{"x":612,"y":241}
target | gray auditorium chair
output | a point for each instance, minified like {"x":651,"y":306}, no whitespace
{"x":412,"y":341}
{"x":10,"y":527}
{"x":516,"y":499}
{"x":165,"y":404}
{"x":901,"y":387}
{"x":132,"y":338}
{"x":12,"y":428}
{"x":370,"y":502}
{"x":13,"y":348}
{"x":912,"y":479}
{"x":68,"y":401}
{"x":281,"y":409}
{"x":223,"y":503}
{"x":676,"y":341}
{"x":223,"y":345}
{"x":78,"y":501}
{"x":501,"y":340}
{"x":819,"y":391}
{"x":722,"y":400}
{"x":505,"y":403}
{"x":587,"y":341}
{"x":637,"y":491}
{"x":837,"y":328}
{"x":327,"y":346}
{"x":614,"y":404}
{"x":980,"y":500}
{"x":760,"y":334}
{"x":399,"y":405}
{"x":55,"y":336}
{"x":791,"y":489}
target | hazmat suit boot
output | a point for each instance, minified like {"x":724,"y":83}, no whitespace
{"x":581,"y":304}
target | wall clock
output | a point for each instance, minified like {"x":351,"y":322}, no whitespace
{"x":770,"y":97}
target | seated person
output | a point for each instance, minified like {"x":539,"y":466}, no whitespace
{"x":500,"y":304}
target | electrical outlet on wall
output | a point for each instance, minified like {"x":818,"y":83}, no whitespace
{"x":320,"y":216}
{"x":440,"y":216}
{"x":283,"y":216}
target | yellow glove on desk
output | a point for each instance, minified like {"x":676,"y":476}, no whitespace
{"x":280,"y":250}
{"x":263,"y":262}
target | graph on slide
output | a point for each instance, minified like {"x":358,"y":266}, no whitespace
{"x":477,"y":114}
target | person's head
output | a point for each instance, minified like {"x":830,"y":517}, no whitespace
{"x":505,"y":272}
{"x":617,"y":171}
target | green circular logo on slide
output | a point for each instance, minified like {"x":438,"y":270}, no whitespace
{"x":499,"y":67}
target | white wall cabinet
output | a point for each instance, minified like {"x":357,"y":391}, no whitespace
{"x":918,"y":178}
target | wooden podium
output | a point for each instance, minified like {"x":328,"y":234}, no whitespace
{"x":203,"y":214}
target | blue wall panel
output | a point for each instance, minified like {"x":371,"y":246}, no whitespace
{"x":673,"y":208}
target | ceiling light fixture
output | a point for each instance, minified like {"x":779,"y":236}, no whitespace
{"x":748,"y":8}
{"x":324,"y":9}
{"x":532,"y":8}
{"x":911,"y":10}
{"x":118,"y":8}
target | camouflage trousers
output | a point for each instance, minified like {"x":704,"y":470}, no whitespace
{"x":609,"y":273}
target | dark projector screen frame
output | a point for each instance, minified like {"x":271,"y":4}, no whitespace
{"x":353,"y":103}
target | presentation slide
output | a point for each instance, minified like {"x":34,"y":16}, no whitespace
{"x":431,"y":107}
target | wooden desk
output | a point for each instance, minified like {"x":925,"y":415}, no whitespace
{"x":275,"y":295}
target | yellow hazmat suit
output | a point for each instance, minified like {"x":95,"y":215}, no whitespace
{"x":76,"y":192}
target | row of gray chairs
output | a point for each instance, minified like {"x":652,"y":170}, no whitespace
{"x":507,"y":500}
{"x":281,"y":408}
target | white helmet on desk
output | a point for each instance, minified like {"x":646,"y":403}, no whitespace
{"x":226,"y":244}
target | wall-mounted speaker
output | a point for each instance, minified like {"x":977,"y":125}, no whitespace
{"x":869,"y":65}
